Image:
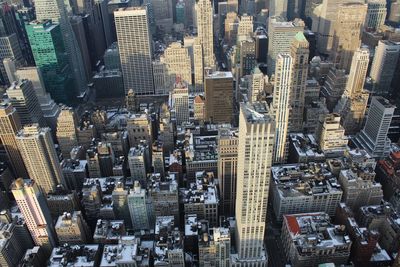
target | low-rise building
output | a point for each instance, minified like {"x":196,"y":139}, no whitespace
{"x":164,"y":196}
{"x":303,"y":148}
{"x":77,"y":255}
{"x":168,"y":245}
{"x":60,"y":202}
{"x":108,"y":232}
{"x":15,"y":239}
{"x":311,"y":239}
{"x":74,"y":171}
{"x":359,"y":187}
{"x":138,"y":161}
{"x":128,"y":252}
{"x":300,"y":188}
{"x":72,"y":229}
{"x":201,"y":198}
{"x":388,"y":174}
{"x":385,"y":220}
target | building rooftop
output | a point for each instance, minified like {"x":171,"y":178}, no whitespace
{"x":296,"y":180}
{"x":257,"y":112}
{"x":203,"y":190}
{"x":128,"y":252}
{"x":191,"y":227}
{"x":74,"y":165}
{"x":306,"y":145}
{"x":108,"y":231}
{"x":168,"y":184}
{"x":82,"y":255}
{"x":314,"y":231}
{"x":168,"y":238}
{"x":219,"y":75}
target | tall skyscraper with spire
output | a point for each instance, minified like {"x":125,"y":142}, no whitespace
{"x":281,"y":105}
{"x":135,"y":49}
{"x":256,"y":142}
{"x":57,"y":12}
{"x":205,"y":34}
{"x":10,"y":125}
{"x":40,"y":157}
{"x":33,"y":206}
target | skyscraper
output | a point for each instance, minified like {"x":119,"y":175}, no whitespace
{"x":135,"y":49}
{"x":278,"y":8}
{"x":49,"y":108}
{"x":299,"y":51}
{"x":376,"y":14}
{"x":373,"y":138}
{"x":163,"y":13}
{"x":178,"y":63}
{"x":324,"y":17}
{"x":228,"y":141}
{"x":40,"y":157}
{"x":10,"y":125}
{"x":23,"y":97}
{"x":33,"y":206}
{"x":353,"y":103}
{"x":280,"y":37}
{"x":198,"y":65}
{"x":219,"y":97}
{"x":9,"y":48}
{"x":281,"y":105}
{"x":384,"y":65}
{"x":56,"y":11}
{"x":256,"y":86}
{"x":138,"y":208}
{"x":347,"y":33}
{"x":205,"y":34}
{"x":180,"y":98}
{"x":256,"y":141}
{"x":66,"y":131}
{"x":245,"y":27}
{"x":50,"y":57}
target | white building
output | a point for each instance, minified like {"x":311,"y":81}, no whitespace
{"x":40,"y":157}
{"x":205,"y":34}
{"x":280,"y":36}
{"x":256,"y":141}
{"x":135,"y":49}
{"x":33,"y":206}
{"x":178,"y":63}
{"x":66,"y":131}
{"x":373,"y":138}
{"x":330,"y":134}
{"x":281,"y":105}
{"x":300,"y":188}
{"x":384,"y":65}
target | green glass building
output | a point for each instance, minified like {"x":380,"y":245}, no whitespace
{"x":50,"y":57}
{"x":180,"y":12}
